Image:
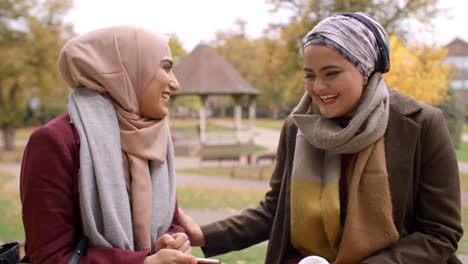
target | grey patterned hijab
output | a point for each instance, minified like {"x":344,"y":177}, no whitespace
{"x":356,"y":42}
{"x":351,"y":39}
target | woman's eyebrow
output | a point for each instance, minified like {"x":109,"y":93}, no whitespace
{"x":167,"y":60}
{"x":322,"y":69}
{"x":329,"y":67}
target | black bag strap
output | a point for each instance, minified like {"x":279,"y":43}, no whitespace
{"x":79,"y":250}
{"x":9,"y":253}
{"x":75,"y":257}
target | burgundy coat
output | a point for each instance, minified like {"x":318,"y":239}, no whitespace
{"x":50,"y":199}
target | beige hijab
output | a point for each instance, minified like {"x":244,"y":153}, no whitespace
{"x":121,"y":61}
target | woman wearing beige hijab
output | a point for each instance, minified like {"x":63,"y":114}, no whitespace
{"x":104,"y":171}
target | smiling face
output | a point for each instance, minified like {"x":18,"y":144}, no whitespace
{"x":155,"y":97}
{"x":334,"y":84}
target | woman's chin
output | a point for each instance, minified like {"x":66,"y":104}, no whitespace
{"x":328,"y":114}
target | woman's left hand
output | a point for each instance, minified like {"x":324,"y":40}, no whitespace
{"x":177,"y":241}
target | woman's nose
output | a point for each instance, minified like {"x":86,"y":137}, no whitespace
{"x":319,"y":85}
{"x":174,"y":84}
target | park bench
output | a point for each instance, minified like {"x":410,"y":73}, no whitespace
{"x":271,"y":156}
{"x":219,"y":157}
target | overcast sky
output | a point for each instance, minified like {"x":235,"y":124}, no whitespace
{"x":196,"y":21}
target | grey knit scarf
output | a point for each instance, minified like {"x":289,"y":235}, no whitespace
{"x":104,"y":201}
{"x":320,"y":142}
{"x":366,"y":126}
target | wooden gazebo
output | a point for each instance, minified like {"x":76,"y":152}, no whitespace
{"x":204,"y":72}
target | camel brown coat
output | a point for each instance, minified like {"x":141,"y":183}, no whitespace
{"x":424,"y":185}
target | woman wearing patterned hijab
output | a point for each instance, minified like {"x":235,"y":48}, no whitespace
{"x":364,"y":174}
{"x":104,"y":171}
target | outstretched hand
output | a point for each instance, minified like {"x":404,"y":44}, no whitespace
{"x":192,"y":229}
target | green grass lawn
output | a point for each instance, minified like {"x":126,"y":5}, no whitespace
{"x":217,"y":198}
{"x":188,"y":129}
{"x":462,"y":152}
{"x":270,"y":123}
{"x":464,"y":182}
{"x":463,"y":244}
{"x":234,"y":150}
{"x":252,"y":255}
{"x":236,"y":172}
{"x":11,"y":224}
{"x":214,"y":124}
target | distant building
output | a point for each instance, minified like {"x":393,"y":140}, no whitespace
{"x":458,"y":56}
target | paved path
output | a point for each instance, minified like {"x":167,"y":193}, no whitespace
{"x":262,"y":136}
{"x":266,"y":137}
{"x":13,"y":168}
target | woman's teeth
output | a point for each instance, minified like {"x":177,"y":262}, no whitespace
{"x":328,"y":97}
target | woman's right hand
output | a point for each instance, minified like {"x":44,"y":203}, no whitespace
{"x":170,"y":256}
{"x":192,"y":229}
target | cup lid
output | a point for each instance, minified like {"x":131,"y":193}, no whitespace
{"x":313,"y":260}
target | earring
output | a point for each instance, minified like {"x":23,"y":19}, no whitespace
{"x":366,"y":79}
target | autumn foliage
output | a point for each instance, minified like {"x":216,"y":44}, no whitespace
{"x":418,"y":71}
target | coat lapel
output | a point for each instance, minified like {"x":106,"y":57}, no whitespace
{"x":400,"y":148}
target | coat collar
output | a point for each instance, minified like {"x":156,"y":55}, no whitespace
{"x":403,"y":104}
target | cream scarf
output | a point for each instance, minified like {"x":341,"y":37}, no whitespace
{"x":315,"y":204}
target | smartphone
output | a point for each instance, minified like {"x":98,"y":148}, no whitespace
{"x":208,"y":261}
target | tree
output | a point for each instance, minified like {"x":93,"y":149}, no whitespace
{"x":177,"y":50}
{"x":391,"y":14}
{"x":453,"y":111}
{"x":419,"y":71}
{"x":258,"y":61}
{"x":31,"y":37}
{"x":178,"y":53}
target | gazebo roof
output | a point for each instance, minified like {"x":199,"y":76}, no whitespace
{"x":205,"y":72}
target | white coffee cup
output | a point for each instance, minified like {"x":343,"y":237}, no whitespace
{"x":313,"y":260}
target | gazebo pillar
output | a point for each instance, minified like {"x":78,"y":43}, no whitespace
{"x":252,"y":111}
{"x":252,"y":115}
{"x":238,"y":116}
{"x":202,"y":129}
{"x":237,"y":112}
